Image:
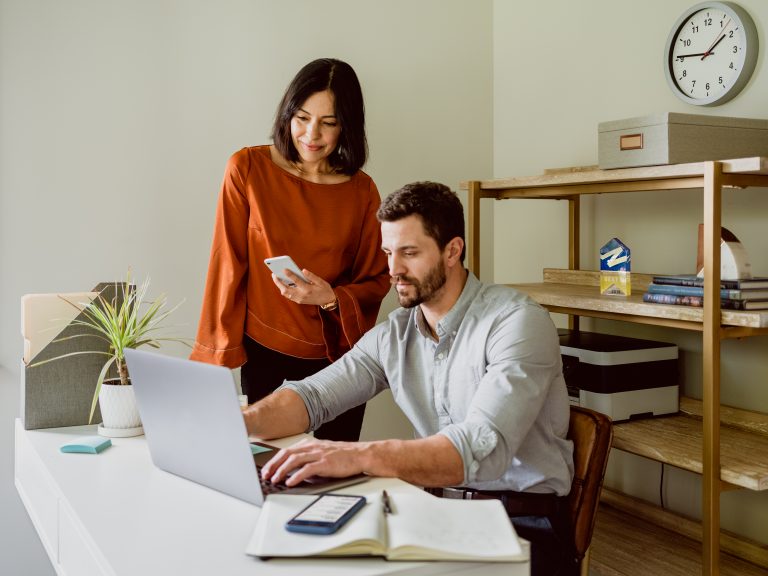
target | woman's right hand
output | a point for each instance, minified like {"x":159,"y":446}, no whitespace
{"x":315,"y":292}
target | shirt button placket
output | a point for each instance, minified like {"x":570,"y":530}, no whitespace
{"x":441,"y":384}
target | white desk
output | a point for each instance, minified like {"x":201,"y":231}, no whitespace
{"x":116,"y":514}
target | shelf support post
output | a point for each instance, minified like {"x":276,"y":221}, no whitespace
{"x":711,"y":370}
{"x":574,"y":246}
{"x":473,"y":217}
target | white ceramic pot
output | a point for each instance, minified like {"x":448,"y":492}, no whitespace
{"x":119,"y":412}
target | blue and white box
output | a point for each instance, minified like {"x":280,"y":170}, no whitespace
{"x":615,"y":264}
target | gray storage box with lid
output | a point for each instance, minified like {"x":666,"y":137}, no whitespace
{"x":621,"y":377}
{"x":674,"y":138}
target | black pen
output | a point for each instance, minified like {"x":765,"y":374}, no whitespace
{"x":387,"y":505}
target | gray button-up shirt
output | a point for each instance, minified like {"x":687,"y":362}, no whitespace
{"x":492,"y":384}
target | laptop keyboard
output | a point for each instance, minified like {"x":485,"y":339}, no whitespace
{"x":268,"y":487}
{"x":313,"y":484}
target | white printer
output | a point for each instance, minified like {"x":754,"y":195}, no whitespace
{"x":621,"y":377}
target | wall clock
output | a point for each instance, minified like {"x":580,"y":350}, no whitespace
{"x":711,"y":53}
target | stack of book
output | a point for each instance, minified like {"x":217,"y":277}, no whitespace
{"x":688,"y":290}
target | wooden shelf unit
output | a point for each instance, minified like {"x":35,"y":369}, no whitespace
{"x":577,"y":295}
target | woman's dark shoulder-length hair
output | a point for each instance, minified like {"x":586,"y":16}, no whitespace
{"x":326,"y":74}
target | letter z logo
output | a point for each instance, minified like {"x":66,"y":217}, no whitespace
{"x":614,"y":257}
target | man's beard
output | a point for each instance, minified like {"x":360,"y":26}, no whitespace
{"x":424,"y":290}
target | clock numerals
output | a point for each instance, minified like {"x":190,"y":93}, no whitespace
{"x":703,"y":54}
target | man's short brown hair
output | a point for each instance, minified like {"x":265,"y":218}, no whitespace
{"x":439,"y":208}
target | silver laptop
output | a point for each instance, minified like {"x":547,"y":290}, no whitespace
{"x":195,"y":428}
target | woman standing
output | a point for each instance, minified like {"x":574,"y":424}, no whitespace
{"x":304,"y":196}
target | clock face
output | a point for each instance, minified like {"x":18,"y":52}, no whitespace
{"x":711,"y":53}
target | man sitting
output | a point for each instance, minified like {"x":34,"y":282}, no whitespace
{"x":475,"y":368}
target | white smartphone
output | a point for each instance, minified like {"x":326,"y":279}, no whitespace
{"x":279,"y":264}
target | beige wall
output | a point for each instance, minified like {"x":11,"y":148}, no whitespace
{"x":118,"y":117}
{"x":558,"y":72}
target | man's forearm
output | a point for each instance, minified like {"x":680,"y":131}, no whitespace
{"x":432,"y":461}
{"x":280,"y":414}
{"x":429,"y":461}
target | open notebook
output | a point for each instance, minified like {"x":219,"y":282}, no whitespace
{"x":420,"y":527}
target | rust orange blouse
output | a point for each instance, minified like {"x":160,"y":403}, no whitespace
{"x":330,"y":229}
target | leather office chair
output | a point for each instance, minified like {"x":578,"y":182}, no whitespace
{"x":591,"y":433}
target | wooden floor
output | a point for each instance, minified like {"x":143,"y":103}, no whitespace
{"x":623,"y":545}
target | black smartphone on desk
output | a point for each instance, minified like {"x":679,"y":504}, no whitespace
{"x":326,"y":514}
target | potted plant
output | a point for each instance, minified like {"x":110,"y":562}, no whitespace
{"x":127,"y":320}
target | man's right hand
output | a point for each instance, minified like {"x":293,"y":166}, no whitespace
{"x":313,"y":457}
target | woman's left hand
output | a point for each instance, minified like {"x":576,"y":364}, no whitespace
{"x":315,"y":291}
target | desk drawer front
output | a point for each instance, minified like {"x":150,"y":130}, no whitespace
{"x":76,"y":557}
{"x":38,"y":494}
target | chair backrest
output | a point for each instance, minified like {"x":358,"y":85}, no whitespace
{"x":591,"y":433}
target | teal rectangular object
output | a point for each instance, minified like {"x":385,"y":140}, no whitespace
{"x":86,"y":445}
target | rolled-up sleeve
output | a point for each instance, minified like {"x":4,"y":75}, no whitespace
{"x":350,"y":381}
{"x":474,"y":443}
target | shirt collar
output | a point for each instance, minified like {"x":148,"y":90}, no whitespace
{"x":450,"y":323}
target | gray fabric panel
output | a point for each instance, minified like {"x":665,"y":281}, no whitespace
{"x":60,"y":392}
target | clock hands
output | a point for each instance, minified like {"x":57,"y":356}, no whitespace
{"x":716,"y":42}
{"x":684,"y":56}
{"x":702,"y":54}
{"x":710,"y":51}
